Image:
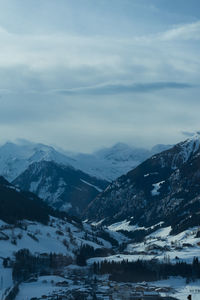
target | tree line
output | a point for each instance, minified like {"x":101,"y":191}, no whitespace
{"x":147,"y":270}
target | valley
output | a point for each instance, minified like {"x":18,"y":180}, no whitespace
{"x":137,"y":237}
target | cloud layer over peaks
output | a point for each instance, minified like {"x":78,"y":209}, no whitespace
{"x":85,"y":73}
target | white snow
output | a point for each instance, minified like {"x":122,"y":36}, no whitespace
{"x":45,"y":285}
{"x":124,"y":225}
{"x":183,"y":246}
{"x":162,"y":232}
{"x":107,"y":163}
{"x":16,"y":158}
{"x":187,"y":148}
{"x":157,"y":186}
{"x":96,"y":223}
{"x":5,"y":278}
{"x":47,"y":238}
{"x":94,"y":186}
{"x":119,"y":257}
{"x":181,"y":289}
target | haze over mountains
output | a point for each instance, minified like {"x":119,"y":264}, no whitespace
{"x":107,"y":163}
{"x":68,"y":183}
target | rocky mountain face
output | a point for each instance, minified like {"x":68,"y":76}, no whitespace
{"x":62,"y":187}
{"x":164,"y":188}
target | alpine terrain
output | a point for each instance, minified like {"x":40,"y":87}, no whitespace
{"x":165,"y":188}
{"x":139,"y":236}
{"x":62,"y":187}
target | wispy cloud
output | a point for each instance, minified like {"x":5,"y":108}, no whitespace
{"x":113,"y":89}
{"x":185,"y":32}
{"x":187,"y":133}
{"x":114,"y":69}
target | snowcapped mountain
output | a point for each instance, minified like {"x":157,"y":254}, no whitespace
{"x":122,"y":152}
{"x":164,"y":188}
{"x":62,"y":187}
{"x":15,"y":158}
{"x":107,"y":163}
{"x":110,"y":163}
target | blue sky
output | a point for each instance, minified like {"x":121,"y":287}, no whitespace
{"x":83,"y":74}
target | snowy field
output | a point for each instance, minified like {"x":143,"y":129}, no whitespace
{"x":44,"y":286}
{"x":5,"y":279}
{"x":181,"y":289}
{"x":159,"y":244}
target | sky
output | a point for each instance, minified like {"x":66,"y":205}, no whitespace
{"x":84,"y":74}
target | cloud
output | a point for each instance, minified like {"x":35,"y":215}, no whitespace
{"x":187,"y":133}
{"x":77,"y":64}
{"x":183,"y":32}
{"x":99,"y":72}
{"x":113,"y":89}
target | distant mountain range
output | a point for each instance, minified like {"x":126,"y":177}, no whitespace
{"x":107,"y":163}
{"x":68,"y":182}
{"x":110,"y":163}
{"x":16,"y":158}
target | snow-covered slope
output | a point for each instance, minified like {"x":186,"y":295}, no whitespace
{"x":59,"y":237}
{"x":62,"y":187}
{"x":165,"y":187}
{"x":110,"y":163}
{"x":107,"y":163}
{"x":159,"y":243}
{"x":29,"y":231}
{"x":15,"y":158}
{"x":60,"y":245}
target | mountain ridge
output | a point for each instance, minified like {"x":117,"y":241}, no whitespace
{"x":62,"y":187}
{"x":106,"y":163}
{"x":162,"y":188}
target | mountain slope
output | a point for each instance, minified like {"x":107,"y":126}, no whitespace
{"x":165,"y":188}
{"x":107,"y":163}
{"x":15,"y":158}
{"x":110,"y":163}
{"x":61,"y":258}
{"x":36,"y":242}
{"x":16,"y":205}
{"x":62,"y":187}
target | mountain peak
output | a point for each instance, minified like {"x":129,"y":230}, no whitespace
{"x":190,"y":146}
{"x":162,"y":188}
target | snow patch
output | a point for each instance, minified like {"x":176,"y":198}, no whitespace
{"x":157,"y":186}
{"x":124,"y":225}
{"x":94,"y":186}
